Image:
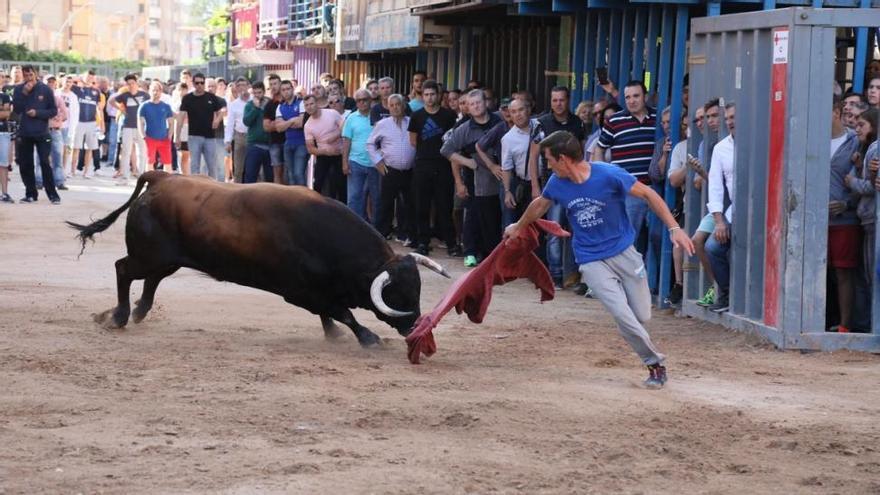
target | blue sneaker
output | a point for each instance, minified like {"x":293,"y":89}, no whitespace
{"x":470,"y":261}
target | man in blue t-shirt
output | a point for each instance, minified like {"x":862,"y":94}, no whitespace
{"x":290,"y":118}
{"x":154,"y":123}
{"x":594,"y":197}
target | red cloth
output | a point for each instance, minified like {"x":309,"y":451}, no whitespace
{"x":471,"y":294}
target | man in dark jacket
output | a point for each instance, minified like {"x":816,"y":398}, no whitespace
{"x":34,"y":104}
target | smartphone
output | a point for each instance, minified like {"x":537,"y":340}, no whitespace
{"x":602,"y":75}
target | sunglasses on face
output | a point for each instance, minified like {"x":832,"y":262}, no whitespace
{"x":199,"y":82}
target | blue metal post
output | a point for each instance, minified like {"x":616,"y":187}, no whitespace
{"x":577,"y":66}
{"x":602,"y":25}
{"x":679,"y":65}
{"x":614,"y":50}
{"x":638,"y":49}
{"x":662,"y":85}
{"x":589,"y":75}
{"x":626,"y":37}
{"x":861,"y":53}
{"x":713,"y":9}
{"x":655,"y":17}
{"x":769,"y":4}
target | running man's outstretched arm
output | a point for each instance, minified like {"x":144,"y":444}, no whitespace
{"x":658,"y":206}
{"x":537,"y":209}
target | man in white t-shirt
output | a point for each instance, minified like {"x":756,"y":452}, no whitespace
{"x":515,"y":159}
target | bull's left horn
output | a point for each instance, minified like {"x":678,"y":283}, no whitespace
{"x":430,"y":264}
{"x":379,"y":283}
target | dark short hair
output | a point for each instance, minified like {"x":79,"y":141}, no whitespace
{"x":91,"y":72}
{"x":274,"y":77}
{"x":131,"y":77}
{"x":563,"y":143}
{"x":431,"y":84}
{"x":456,"y":91}
{"x":371,"y":81}
{"x":714,"y":102}
{"x":186,"y":72}
{"x":28,"y":68}
{"x":50,"y":79}
{"x":221,"y":80}
{"x":849,"y":94}
{"x":338,"y":82}
{"x":309,"y":97}
{"x":198,"y":75}
{"x":636,"y":83}
{"x":420,"y":72}
{"x":241,"y":79}
{"x":287,"y":82}
{"x":259,"y":85}
{"x":561,"y":89}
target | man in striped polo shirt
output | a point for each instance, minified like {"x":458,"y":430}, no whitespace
{"x":630,"y":135}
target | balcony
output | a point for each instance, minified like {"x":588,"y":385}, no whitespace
{"x":312,"y":20}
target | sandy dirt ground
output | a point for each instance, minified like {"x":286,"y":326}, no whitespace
{"x":224,"y":389}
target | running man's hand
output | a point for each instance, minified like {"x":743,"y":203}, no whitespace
{"x":680,"y":238}
{"x":512,"y":231}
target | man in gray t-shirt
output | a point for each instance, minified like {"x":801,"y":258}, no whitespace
{"x":128,"y":100}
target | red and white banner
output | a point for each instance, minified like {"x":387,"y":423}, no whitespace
{"x":244,"y":27}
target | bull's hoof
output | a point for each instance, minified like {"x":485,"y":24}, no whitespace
{"x":370,"y":341}
{"x":110,"y":320}
{"x":138,"y":314}
{"x":333,"y":333}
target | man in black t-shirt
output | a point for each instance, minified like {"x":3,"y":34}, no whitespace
{"x":128,"y":100}
{"x":380,"y":110}
{"x":432,"y":174}
{"x":202,"y":110}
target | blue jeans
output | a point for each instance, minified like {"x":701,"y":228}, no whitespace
{"x":257,"y":157}
{"x":204,"y":148}
{"x":637,"y":212}
{"x":296,"y":159}
{"x":112,"y":142}
{"x":57,"y":151}
{"x":560,"y":255}
{"x":363,"y":180}
{"x":720,"y":261}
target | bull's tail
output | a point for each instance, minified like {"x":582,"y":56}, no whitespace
{"x":86,"y":232}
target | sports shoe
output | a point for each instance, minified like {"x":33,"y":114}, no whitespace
{"x":580,"y":289}
{"x":407,"y":242}
{"x":62,"y":187}
{"x":5,"y":198}
{"x":455,"y":252}
{"x":27,"y":199}
{"x":55,"y":201}
{"x":675,"y":295}
{"x":470,"y":261}
{"x":722,"y":302}
{"x":557,"y":282}
{"x":589,"y":293}
{"x":656,"y":376}
{"x":708,"y":299}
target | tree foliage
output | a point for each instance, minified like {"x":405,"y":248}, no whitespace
{"x":21,"y":53}
{"x":217,"y":26}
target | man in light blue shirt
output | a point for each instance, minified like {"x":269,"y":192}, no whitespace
{"x":363,"y":178}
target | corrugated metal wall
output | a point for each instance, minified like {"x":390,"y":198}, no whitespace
{"x":309,"y":63}
{"x":399,"y":67}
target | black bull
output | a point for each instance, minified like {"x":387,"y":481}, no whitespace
{"x":291,"y":241}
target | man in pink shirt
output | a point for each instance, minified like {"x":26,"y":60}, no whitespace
{"x":323,"y":131}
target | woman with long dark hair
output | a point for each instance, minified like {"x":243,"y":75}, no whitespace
{"x":862,"y":182}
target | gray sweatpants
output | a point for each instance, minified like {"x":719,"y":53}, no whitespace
{"x":620,"y":283}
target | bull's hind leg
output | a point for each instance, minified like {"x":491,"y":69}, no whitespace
{"x":126,"y":272}
{"x":143,"y":305}
{"x":365,"y":337}
{"x":331,"y":330}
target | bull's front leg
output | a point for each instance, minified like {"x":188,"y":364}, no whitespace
{"x":331,"y":329}
{"x":118,"y":317}
{"x":365,"y":337}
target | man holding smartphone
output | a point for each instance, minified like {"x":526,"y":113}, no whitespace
{"x":34,"y":103}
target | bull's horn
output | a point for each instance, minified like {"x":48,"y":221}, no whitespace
{"x":430,"y":264}
{"x":379,"y":283}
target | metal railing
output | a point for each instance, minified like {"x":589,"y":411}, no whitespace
{"x":310,"y":18}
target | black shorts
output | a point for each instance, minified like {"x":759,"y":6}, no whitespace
{"x":183,"y":146}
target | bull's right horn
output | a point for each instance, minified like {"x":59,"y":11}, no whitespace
{"x":379,"y":283}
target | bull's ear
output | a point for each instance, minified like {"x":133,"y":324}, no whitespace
{"x":429,"y":263}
